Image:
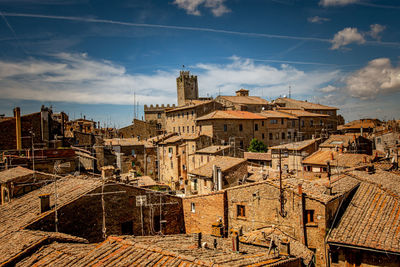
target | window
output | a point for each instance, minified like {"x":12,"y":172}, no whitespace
{"x":378,"y":140}
{"x":193,"y":207}
{"x":262,"y":123}
{"x":192,"y":129}
{"x":170,"y":150}
{"x":225,"y":128}
{"x":293,"y":123}
{"x":302,"y":123}
{"x":127,"y":228}
{"x":283,"y":136}
{"x":289,"y":135}
{"x":179,"y":115}
{"x":179,"y":129}
{"x":241,"y":144}
{"x":192,"y":112}
{"x":335,"y":256}
{"x":184,"y":167}
{"x":187,"y":115}
{"x":311,"y":123}
{"x":277,"y":136}
{"x":256,"y":127}
{"x":274,"y":121}
{"x":183,"y":114}
{"x":270,"y":136}
{"x":195,"y":184}
{"x":309,"y":216}
{"x":282,"y":121}
{"x":240,"y":211}
{"x":183,"y":128}
{"x":240,"y":127}
{"x":187,"y":128}
{"x":321,"y":123}
{"x":159,"y":115}
{"x":262,"y":136}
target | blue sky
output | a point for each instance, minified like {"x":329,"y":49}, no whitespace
{"x":90,"y":57}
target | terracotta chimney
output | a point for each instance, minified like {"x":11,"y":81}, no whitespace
{"x":44,"y":202}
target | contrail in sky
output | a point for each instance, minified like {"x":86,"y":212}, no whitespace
{"x":185,"y":28}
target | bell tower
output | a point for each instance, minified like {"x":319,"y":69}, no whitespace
{"x":187,"y":88}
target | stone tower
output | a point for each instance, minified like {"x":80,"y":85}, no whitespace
{"x":187,"y":88}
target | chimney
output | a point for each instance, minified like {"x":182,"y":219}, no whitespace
{"x":235,"y":242}
{"x":17,"y":115}
{"x":197,"y":239}
{"x":44,"y":202}
{"x":332,"y":157}
{"x":242,"y":92}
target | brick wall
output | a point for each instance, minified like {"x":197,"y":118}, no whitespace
{"x":208,"y":209}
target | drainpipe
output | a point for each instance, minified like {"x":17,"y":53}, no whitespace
{"x":17,"y":115}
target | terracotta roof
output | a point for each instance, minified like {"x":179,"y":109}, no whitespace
{"x":22,"y":211}
{"x":257,"y":156}
{"x":127,"y":142}
{"x":371,"y":220}
{"x":297,"y":145}
{"x":189,"y":105}
{"x":304,"y":104}
{"x":338,"y":140}
{"x":357,"y":124}
{"x":337,"y":159}
{"x":276,"y":114}
{"x":231,"y":114}
{"x":302,"y":113}
{"x":212,"y":149}
{"x":169,"y":250}
{"x":225,"y":163}
{"x":14,"y":173}
{"x":263,"y":237}
{"x":245,"y":100}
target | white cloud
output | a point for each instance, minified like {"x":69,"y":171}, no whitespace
{"x":81,"y":79}
{"x":378,"y":77}
{"x":327,"y":3}
{"x":217,"y":7}
{"x":376,"y":30}
{"x":347,"y":36}
{"x":329,"y":89}
{"x":317,"y":19}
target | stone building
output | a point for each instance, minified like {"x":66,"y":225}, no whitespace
{"x":176,"y":158}
{"x":155,"y":115}
{"x":348,"y":143}
{"x":362,"y":126}
{"x":289,"y":103}
{"x":310,"y":125}
{"x":218,"y":174}
{"x":291,"y":155}
{"x":209,"y":153}
{"x":182,"y":119}
{"x":187,"y":88}
{"x":242,"y":101}
{"x":238,"y":128}
{"x":139,"y":129}
{"x":317,"y":162}
{"x":280,"y":128}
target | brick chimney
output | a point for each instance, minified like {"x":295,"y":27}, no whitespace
{"x":44,"y":202}
{"x":17,"y":115}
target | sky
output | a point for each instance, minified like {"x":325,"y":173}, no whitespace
{"x":94,"y":57}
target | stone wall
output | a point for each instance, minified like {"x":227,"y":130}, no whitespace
{"x":83,"y":217}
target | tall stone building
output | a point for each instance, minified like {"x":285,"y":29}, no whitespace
{"x":187,"y":87}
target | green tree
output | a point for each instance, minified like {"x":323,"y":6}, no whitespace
{"x":257,"y":146}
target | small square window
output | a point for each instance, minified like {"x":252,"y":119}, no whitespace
{"x":240,"y":211}
{"x":240,"y":127}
